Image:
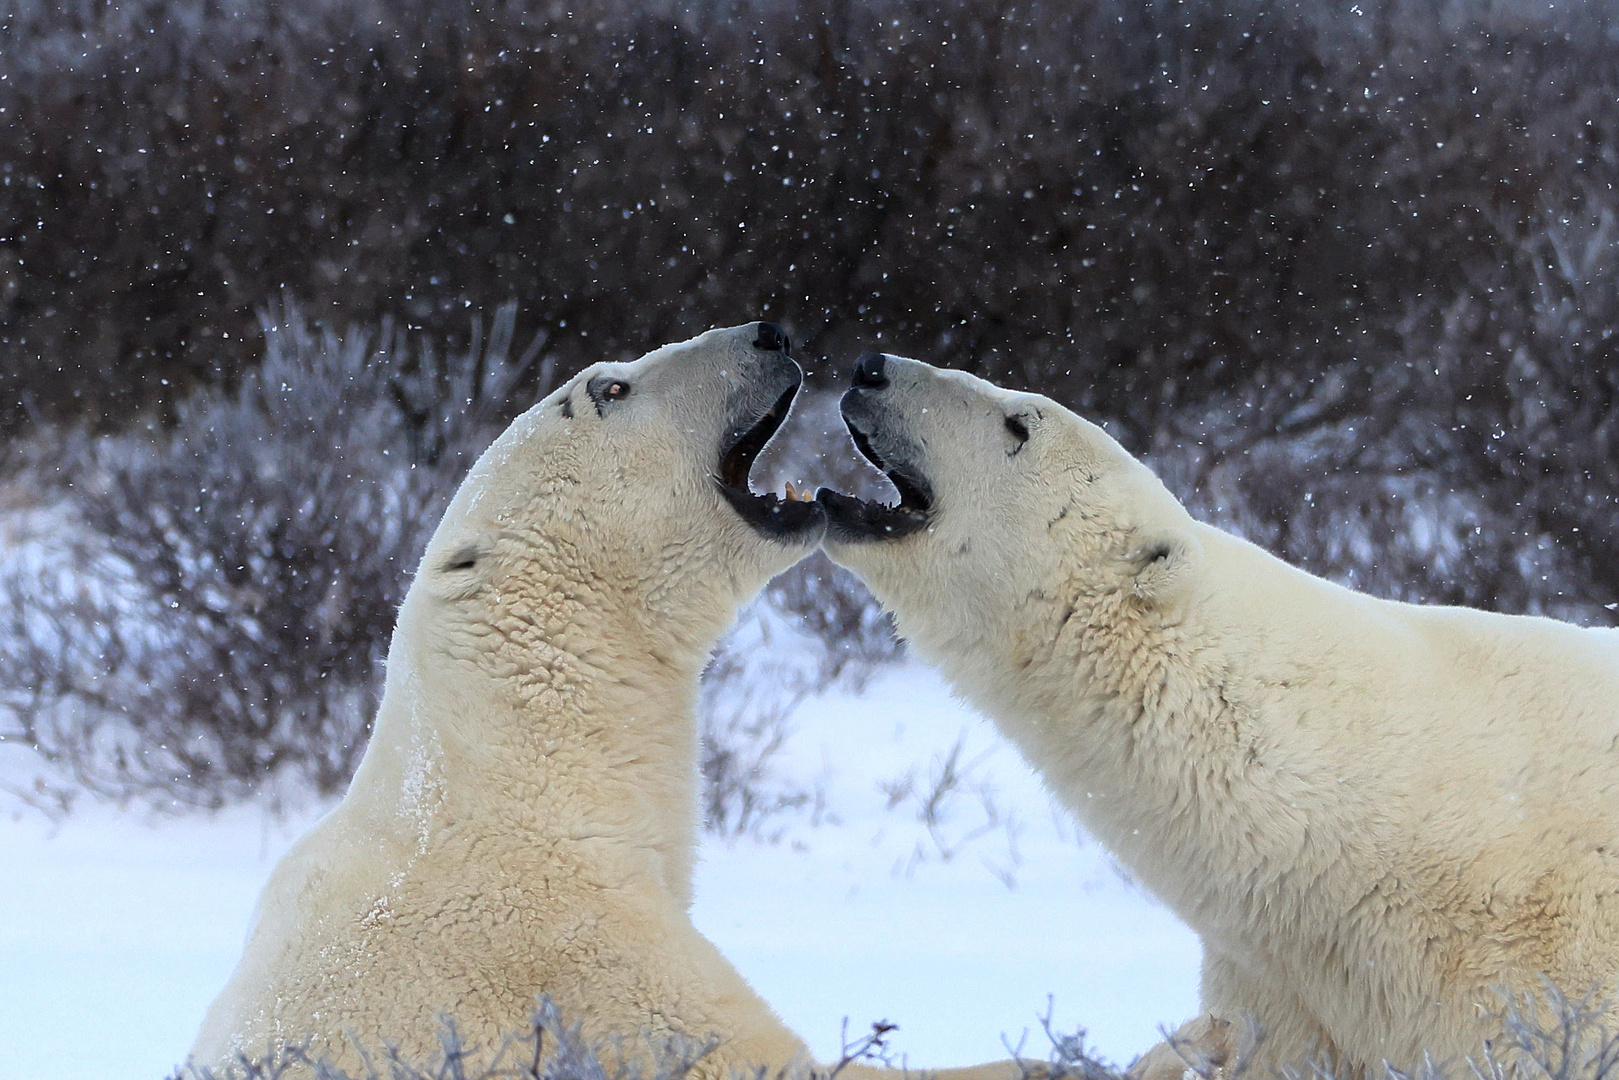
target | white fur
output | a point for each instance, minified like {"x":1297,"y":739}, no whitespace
{"x":523,"y":821}
{"x":1375,"y":814}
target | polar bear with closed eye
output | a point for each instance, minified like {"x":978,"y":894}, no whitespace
{"x":524,"y":819}
{"x":1377,"y":816}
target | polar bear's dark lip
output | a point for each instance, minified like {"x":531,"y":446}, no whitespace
{"x":914,"y":492}
{"x":736,"y":460}
{"x":852,"y":519}
{"x":769,"y":514}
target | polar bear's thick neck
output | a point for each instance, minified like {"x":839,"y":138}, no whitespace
{"x":602,"y":760}
{"x":1166,"y":733}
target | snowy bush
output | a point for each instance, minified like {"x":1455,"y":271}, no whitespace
{"x":548,"y":1050}
{"x":212,"y":599}
{"x":815,"y":628}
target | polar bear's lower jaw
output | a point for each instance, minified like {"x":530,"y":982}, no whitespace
{"x":853,"y":520}
{"x":775,"y":518}
{"x":850,"y":520}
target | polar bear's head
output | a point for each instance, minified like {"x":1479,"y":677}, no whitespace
{"x":1006,"y":500}
{"x":625,"y":494}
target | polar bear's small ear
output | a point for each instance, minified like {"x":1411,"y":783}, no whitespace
{"x":1162,"y":563}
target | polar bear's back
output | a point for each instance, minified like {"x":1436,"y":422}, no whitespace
{"x":1430,"y":794}
{"x":326,"y":872}
{"x":1473,"y":755}
{"x":1411,"y":674}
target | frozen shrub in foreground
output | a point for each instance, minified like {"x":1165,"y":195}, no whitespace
{"x":547,"y":1049}
{"x":1547,"y":1036}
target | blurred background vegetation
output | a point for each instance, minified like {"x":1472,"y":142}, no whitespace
{"x":271,"y":274}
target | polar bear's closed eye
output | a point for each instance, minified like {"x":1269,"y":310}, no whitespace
{"x":464,"y":557}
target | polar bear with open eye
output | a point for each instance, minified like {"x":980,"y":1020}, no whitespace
{"x":524,"y":819}
{"x":1376,"y":815}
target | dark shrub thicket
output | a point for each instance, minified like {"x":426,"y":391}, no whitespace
{"x":1344,"y":274}
{"x":1378,"y":234}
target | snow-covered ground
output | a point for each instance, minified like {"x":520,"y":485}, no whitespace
{"x":116,"y":932}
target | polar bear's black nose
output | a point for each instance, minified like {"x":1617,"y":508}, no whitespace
{"x":774,"y":338}
{"x":868,"y":371}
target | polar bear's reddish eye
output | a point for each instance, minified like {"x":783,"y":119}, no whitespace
{"x":604,"y":390}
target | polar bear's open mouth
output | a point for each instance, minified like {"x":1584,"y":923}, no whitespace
{"x":852,"y":519}
{"x":773,"y":516}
